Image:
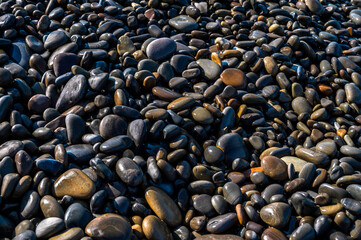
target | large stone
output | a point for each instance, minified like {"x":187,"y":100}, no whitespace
{"x":163,"y":206}
{"x":74,"y":183}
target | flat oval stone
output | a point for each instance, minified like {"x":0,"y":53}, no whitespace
{"x":221,"y":223}
{"x":161,"y":49}
{"x":183,"y":23}
{"x":115,"y":144}
{"x":129,"y":172}
{"x":274,"y":167}
{"x":163,"y":206}
{"x":213,"y":154}
{"x":72,"y":93}
{"x":334,"y":192}
{"x":80,"y":153}
{"x":181,"y":103}
{"x":10,"y":148}
{"x":352,"y":205}
{"x":318,"y":158}
{"x":69,"y":234}
{"x":19,"y":53}
{"x":74,"y":183}
{"x":234,"y":77}
{"x":49,"y":166}
{"x":270,"y":66}
{"x":49,"y":227}
{"x":154,"y":228}
{"x":351,"y":151}
{"x":276,"y":214}
{"x":210,"y":69}
{"x":109,"y":226}
{"x":165,"y":94}
{"x":55,"y":39}
{"x":202,"y":115}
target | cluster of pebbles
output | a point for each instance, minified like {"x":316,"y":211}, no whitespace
{"x":179,"y":119}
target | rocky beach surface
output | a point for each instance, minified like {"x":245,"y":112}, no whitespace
{"x":180,"y":119}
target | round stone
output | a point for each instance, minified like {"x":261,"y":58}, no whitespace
{"x":202,"y":115}
{"x":74,"y":183}
{"x":276,"y":214}
{"x":274,"y":167}
{"x":161,"y":49}
{"x":109,"y":226}
{"x":38,"y":103}
{"x":234,"y":77}
{"x":154,"y":228}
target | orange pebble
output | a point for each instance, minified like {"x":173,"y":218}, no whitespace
{"x":341,"y":132}
{"x":327,"y":90}
{"x":350,"y":30}
{"x":241,"y":214}
{"x":262,"y":18}
{"x":215,"y":58}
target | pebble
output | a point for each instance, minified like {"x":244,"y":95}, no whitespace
{"x":75,"y":184}
{"x":129,"y":172}
{"x":221,"y":223}
{"x":234,"y":77}
{"x":276,"y":215}
{"x":49,"y":227}
{"x":154,"y":228}
{"x":161,"y":49}
{"x":274,"y":167}
{"x":210,"y":69}
{"x":72,"y":93}
{"x":180,"y":120}
{"x":183,"y":23}
{"x":109,"y":226}
{"x":163,"y":206}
